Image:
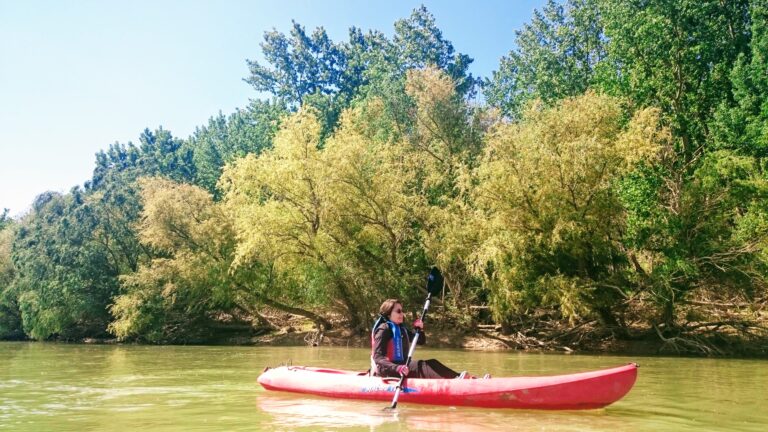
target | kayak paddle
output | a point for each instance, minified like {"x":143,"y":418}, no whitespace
{"x":434,"y":286}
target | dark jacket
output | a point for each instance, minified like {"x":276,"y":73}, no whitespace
{"x":382,"y":348}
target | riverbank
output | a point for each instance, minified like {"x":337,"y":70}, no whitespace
{"x":489,"y":341}
{"x":585,"y":338}
{"x":724,"y":339}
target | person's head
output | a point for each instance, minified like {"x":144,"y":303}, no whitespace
{"x":393,"y":310}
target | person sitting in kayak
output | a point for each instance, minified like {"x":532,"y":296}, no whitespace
{"x":390,"y":342}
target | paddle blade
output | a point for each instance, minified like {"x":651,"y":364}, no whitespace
{"x":434,"y":281}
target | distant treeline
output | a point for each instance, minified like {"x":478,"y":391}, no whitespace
{"x":612,"y":170}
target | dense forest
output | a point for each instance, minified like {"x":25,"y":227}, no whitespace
{"x":609,"y":176}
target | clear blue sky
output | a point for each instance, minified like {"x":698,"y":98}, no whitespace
{"x":76,"y":76}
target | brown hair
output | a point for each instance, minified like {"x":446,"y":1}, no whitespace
{"x":388,"y":305}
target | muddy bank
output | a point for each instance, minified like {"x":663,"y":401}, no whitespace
{"x":535,"y":335}
{"x":646,"y":343}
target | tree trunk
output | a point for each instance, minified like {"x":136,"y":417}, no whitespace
{"x":668,"y":314}
{"x":609,"y":320}
{"x":322,"y":323}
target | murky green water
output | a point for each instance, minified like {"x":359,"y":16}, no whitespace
{"x":61,"y":387}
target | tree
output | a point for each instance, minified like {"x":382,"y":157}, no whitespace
{"x":420,"y":44}
{"x":10,"y":316}
{"x":742,"y":125}
{"x":302,"y":65}
{"x":191,"y":286}
{"x":65,"y":277}
{"x":225,"y":139}
{"x":676,"y":56}
{"x":553,"y":222}
{"x":558,"y":55}
{"x":686,"y":211}
{"x":360,"y":213}
{"x":443,"y":146}
{"x":203,"y":287}
{"x":4,"y":219}
{"x":278,"y":209}
{"x":311,"y":70}
{"x":70,"y":251}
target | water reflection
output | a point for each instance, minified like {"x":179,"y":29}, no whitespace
{"x":290,"y":411}
{"x":305,"y":412}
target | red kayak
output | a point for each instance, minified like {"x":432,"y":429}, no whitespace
{"x":583,"y":390}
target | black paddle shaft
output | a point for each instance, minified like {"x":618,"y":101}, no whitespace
{"x":434,"y":285}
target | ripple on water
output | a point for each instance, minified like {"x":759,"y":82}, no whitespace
{"x":7,"y":384}
{"x":183,"y":388}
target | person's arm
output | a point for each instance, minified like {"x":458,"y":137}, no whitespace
{"x":422,"y":337}
{"x":381,"y":338}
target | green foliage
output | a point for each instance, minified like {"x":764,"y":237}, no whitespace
{"x":742,"y":125}
{"x":225,"y":139}
{"x":558,"y":55}
{"x":676,"y":56}
{"x":639,"y":193}
{"x":175,"y":294}
{"x":722,"y":203}
{"x":313,"y":71}
{"x":10,"y":316}
{"x":419,"y":44}
{"x":304,"y":64}
{"x":71,"y":249}
{"x":158,"y":153}
{"x":684,"y":212}
{"x":4,"y":219}
{"x":66,"y":278}
{"x":552,"y":219}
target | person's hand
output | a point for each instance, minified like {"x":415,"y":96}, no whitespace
{"x":418,"y":324}
{"x":403,"y":370}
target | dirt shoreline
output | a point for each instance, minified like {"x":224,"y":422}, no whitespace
{"x":586,"y":341}
{"x":493,"y":341}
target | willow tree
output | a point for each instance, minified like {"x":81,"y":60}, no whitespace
{"x":323,"y":219}
{"x":370,"y":217}
{"x":168,"y":297}
{"x":191,"y":285}
{"x":359,"y":217}
{"x":443,"y":147}
{"x":279,"y":207}
{"x":553,"y":221}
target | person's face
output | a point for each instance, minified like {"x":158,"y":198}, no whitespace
{"x":397,"y":314}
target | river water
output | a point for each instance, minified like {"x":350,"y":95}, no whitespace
{"x":63,"y":387}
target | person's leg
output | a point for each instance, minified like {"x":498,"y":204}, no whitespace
{"x":430,"y":369}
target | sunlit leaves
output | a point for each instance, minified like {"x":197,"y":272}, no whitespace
{"x":553,"y":219}
{"x":169,"y":296}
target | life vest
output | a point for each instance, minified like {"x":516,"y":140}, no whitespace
{"x":395,"y":352}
